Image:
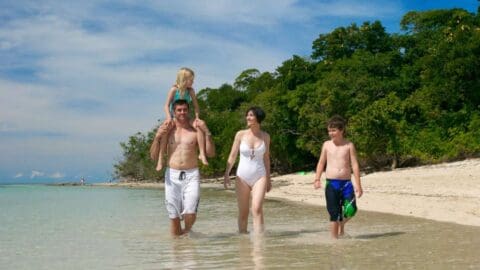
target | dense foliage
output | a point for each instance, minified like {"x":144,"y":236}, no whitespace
{"x":409,"y":98}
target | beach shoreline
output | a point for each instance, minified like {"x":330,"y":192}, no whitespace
{"x":448,"y":192}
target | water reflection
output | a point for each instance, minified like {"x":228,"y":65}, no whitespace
{"x":251,"y":250}
{"x":298,"y":236}
{"x":184,"y":253}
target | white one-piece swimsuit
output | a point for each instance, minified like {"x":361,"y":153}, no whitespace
{"x":251,"y":166}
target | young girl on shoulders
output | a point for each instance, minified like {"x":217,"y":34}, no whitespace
{"x":182,"y":90}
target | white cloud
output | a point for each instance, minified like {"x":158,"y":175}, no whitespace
{"x":36,"y":174}
{"x":18,"y":175}
{"x":57,"y":175}
{"x":90,"y":89}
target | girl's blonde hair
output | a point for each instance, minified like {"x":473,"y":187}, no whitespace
{"x":183,"y":75}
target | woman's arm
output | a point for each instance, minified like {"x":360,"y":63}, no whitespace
{"x":266,"y":161}
{"x":231,"y":158}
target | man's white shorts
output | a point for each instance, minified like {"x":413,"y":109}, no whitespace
{"x":182,"y":192}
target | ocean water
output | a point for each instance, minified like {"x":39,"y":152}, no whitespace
{"x":84,"y":227}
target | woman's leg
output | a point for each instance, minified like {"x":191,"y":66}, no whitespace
{"x":243,"y":202}
{"x":258,"y":196}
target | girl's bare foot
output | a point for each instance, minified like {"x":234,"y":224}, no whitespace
{"x":159,"y":165}
{"x":204,"y":160}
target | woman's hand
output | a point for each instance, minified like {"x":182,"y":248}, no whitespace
{"x":226,"y":181}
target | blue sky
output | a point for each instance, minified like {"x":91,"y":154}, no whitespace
{"x":79,"y":77}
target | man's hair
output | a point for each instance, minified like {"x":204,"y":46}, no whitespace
{"x":258,"y":112}
{"x":180,"y":102}
{"x":337,"y":122}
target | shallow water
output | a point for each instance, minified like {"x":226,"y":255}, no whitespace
{"x":47,"y":227}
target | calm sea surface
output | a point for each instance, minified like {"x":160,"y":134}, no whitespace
{"x":51,"y":227}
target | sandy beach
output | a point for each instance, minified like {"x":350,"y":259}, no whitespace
{"x":444,"y":192}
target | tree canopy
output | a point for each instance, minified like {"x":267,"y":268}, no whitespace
{"x":410,"y":98}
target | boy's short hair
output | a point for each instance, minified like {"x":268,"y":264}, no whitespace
{"x":180,"y":102}
{"x":337,"y":122}
{"x":258,"y":112}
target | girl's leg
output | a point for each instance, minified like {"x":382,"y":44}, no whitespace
{"x":243,"y":202}
{"x":258,"y":196}
{"x":161,"y":152}
{"x":163,"y":148}
{"x":201,"y":146}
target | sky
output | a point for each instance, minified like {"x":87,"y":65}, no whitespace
{"x":79,"y":77}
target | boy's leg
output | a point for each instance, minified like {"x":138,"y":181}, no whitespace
{"x":349,"y":206}
{"x":334,"y":226}
{"x":341,"y":227}
{"x":201,"y":146}
{"x":334,"y":208}
{"x":243,"y":201}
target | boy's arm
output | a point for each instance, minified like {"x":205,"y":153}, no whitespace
{"x":356,"y":171}
{"x":169,"y":100}
{"x":320,"y":167}
{"x":195,"y":103}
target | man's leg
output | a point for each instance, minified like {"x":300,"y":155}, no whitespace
{"x":191,"y":198}
{"x":189,"y":221}
{"x":175,"y":227}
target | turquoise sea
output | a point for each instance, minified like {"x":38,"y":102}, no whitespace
{"x":85,"y":227}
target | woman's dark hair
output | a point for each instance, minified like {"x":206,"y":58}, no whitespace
{"x":258,"y":112}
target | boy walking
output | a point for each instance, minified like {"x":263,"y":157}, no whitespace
{"x":340,"y":158}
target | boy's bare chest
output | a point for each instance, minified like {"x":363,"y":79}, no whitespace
{"x":338,"y":151}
